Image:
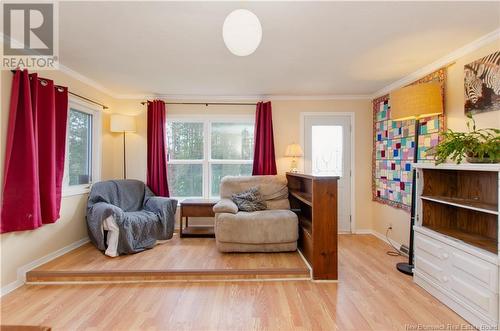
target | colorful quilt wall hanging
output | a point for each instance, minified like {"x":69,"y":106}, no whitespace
{"x":394,"y":146}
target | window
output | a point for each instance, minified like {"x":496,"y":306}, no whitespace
{"x":82,"y":148}
{"x":327,"y":145}
{"x":202,"y":151}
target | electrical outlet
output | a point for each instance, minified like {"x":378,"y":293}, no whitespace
{"x":389,"y":227}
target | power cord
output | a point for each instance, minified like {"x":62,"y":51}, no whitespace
{"x":395,"y":251}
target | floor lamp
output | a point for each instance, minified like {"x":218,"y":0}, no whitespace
{"x":123,"y":124}
{"x":415,"y":102}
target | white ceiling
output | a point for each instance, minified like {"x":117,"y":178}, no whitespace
{"x":308,"y":48}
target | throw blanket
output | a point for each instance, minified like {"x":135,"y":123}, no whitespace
{"x":141,"y":217}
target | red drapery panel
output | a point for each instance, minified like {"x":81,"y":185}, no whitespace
{"x":157,"y":160}
{"x":32,"y":175}
{"x":264,"y":160}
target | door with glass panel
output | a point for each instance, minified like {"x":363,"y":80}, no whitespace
{"x":327,"y":152}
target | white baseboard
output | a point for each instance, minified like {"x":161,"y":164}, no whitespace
{"x":21,"y":271}
{"x":363,"y":231}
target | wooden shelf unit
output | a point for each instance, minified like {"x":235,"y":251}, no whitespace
{"x":456,"y":244}
{"x":314,"y":199}
{"x":461,"y":204}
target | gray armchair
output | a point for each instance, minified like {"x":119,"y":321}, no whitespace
{"x":135,"y":216}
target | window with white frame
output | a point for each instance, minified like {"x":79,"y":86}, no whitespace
{"x":81,"y":167}
{"x":203,"y":150}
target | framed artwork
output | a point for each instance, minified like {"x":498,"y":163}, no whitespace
{"x":482,"y":84}
{"x":394,"y":148}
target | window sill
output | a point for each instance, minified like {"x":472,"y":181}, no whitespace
{"x":69,"y":192}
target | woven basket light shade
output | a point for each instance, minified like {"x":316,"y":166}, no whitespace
{"x":416,"y":101}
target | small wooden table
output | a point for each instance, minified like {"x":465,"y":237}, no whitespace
{"x":197,"y":208}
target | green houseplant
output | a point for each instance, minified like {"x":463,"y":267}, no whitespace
{"x":476,"y":145}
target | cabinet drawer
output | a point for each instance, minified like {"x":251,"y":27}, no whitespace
{"x":477,"y":297}
{"x":457,"y":262}
{"x":431,"y":246}
{"x":431,"y":269}
{"x":474,"y":270}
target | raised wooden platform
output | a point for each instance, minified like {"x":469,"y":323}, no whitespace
{"x":177,"y":259}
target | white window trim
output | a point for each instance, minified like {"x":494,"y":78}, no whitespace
{"x":207,"y":160}
{"x":95,"y":111}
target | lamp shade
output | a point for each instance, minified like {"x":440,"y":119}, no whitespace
{"x":122,"y":123}
{"x":294,"y":150}
{"x":416,"y":101}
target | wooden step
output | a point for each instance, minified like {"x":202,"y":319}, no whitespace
{"x":41,"y":276}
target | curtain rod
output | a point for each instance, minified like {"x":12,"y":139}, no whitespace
{"x":206,"y":103}
{"x":77,"y":95}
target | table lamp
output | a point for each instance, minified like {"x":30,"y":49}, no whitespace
{"x":123,"y":124}
{"x":293,"y":151}
{"x":415,"y":102}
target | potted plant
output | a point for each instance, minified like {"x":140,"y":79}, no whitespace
{"x":476,"y":145}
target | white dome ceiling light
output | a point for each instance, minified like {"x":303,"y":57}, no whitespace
{"x":242,"y":32}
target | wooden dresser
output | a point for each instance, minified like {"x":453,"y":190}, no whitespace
{"x":314,"y":199}
{"x":456,"y":238}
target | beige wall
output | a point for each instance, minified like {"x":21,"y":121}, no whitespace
{"x":286,"y":121}
{"x":384,"y":215}
{"x":20,"y":248}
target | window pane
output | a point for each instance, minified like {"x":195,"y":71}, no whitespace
{"x":185,"y":180}
{"x":232,"y":141}
{"x":221,"y":170}
{"x":185,"y":141}
{"x":327,"y":150}
{"x":79,"y":147}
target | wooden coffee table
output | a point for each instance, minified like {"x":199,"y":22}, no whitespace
{"x":196,"y":208}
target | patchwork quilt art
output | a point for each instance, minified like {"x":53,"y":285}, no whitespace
{"x":394,"y":146}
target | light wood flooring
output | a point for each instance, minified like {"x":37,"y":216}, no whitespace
{"x":370,"y":295}
{"x":187,"y":258}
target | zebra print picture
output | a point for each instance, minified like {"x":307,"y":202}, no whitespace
{"x":482,"y":84}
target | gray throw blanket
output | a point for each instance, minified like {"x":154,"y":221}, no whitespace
{"x":141,"y":217}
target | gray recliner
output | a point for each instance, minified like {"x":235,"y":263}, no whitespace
{"x":140,"y":217}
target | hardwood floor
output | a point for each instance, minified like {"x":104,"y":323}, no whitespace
{"x":187,"y":258}
{"x":370,"y":295}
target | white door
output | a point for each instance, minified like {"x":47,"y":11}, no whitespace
{"x":327,"y":151}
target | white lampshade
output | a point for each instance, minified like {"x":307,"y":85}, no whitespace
{"x":294,"y":150}
{"x":122,"y":123}
{"x":242,"y":32}
{"x":416,"y":101}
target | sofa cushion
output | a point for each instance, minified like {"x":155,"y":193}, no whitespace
{"x":258,"y":227}
{"x":249,"y":200}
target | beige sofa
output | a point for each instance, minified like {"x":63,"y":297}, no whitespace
{"x":271,"y":230}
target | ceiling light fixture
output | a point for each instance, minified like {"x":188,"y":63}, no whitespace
{"x":242,"y":32}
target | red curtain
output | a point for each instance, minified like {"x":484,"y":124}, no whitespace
{"x":157,"y":160}
{"x":264,"y":160}
{"x":34,"y":157}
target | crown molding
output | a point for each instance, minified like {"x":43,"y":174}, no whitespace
{"x":86,"y":80}
{"x":444,"y":61}
{"x":320,"y":97}
{"x":192,"y":97}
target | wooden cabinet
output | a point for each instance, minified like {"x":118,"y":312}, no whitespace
{"x":314,"y":199}
{"x":456,"y":238}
